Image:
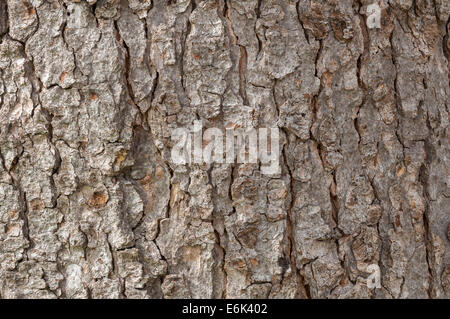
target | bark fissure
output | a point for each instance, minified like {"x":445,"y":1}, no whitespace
{"x":93,"y":206}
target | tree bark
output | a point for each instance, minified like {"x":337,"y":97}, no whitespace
{"x":91,"y":205}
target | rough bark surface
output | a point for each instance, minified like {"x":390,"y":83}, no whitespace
{"x":92,"y":207}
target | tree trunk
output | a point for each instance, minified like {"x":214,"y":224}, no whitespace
{"x":93,"y":206}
